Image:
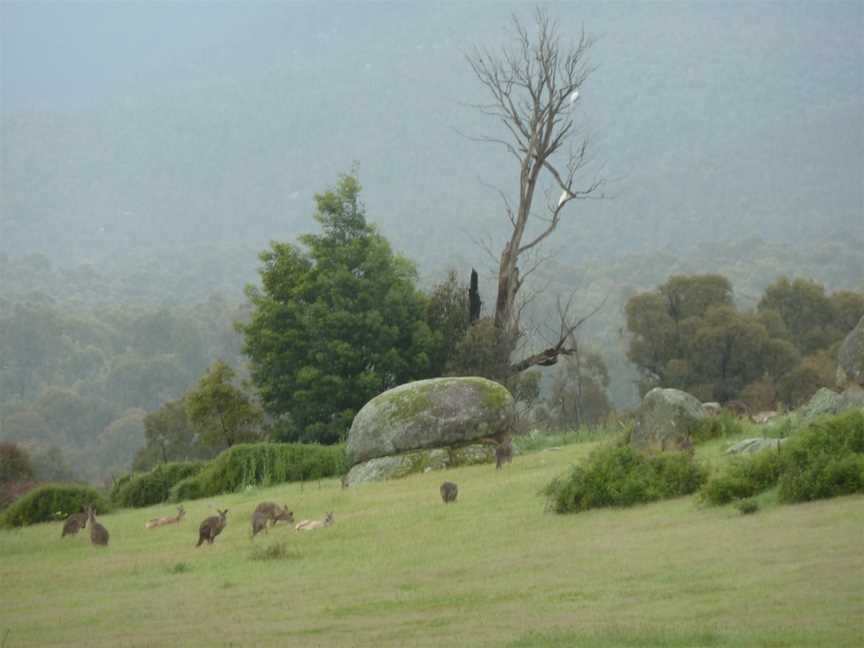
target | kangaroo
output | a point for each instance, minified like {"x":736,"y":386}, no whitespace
{"x":449,"y":492}
{"x":275,"y":513}
{"x":259,"y":522}
{"x":74,"y":523}
{"x":309,"y":525}
{"x":98,"y":533}
{"x":503,"y":453}
{"x":162,"y":521}
{"x":212,"y":527}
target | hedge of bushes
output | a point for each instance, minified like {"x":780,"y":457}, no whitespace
{"x":825,"y":459}
{"x":53,"y":502}
{"x":717,"y":427}
{"x":621,"y":476}
{"x":153,"y":487}
{"x":262,"y":464}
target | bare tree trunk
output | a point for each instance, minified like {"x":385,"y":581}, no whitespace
{"x":534,"y":91}
{"x":474,"y":302}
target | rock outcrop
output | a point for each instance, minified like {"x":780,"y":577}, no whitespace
{"x":402,"y":465}
{"x":754,"y":445}
{"x":850,"y":360}
{"x":665,"y":420}
{"x":827,"y":402}
{"x":427,"y":424}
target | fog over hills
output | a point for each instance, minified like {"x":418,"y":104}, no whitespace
{"x":135,"y":130}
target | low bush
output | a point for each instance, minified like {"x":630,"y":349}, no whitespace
{"x":716,"y":427}
{"x":747,"y":506}
{"x":262,"y":464}
{"x":277,"y":551}
{"x":53,"y":502}
{"x":621,"y":476}
{"x":826,"y":459}
{"x":744,"y":477}
{"x":153,"y":487}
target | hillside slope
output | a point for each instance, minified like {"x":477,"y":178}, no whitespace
{"x":400,"y":568}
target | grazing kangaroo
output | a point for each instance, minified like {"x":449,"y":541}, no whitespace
{"x":74,"y":523}
{"x":449,"y":492}
{"x":98,"y":533}
{"x":162,"y":521}
{"x":212,"y":527}
{"x":275,"y":513}
{"x":309,"y":525}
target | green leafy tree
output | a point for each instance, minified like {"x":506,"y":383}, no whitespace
{"x":221,"y":413}
{"x":335,"y":322}
{"x":168,"y":437}
{"x":663,"y":326}
{"x":578,"y":393}
{"x":14,"y":463}
{"x":808,"y":313}
{"x":448,"y":315}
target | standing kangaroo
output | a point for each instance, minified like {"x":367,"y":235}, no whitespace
{"x":309,"y":525}
{"x":503,"y":453}
{"x":275,"y":513}
{"x":162,"y":521}
{"x":259,"y":523}
{"x":449,"y":492}
{"x":212,"y":527}
{"x":74,"y":523}
{"x":98,"y":533}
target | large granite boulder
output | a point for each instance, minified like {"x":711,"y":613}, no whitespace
{"x":419,"y":461}
{"x":827,"y":402}
{"x":436,"y":413}
{"x":665,"y":420}
{"x":850,"y":360}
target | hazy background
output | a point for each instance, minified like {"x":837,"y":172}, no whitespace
{"x":135,"y":127}
{"x":151,"y":150}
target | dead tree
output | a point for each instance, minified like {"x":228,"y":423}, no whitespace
{"x":534,"y":91}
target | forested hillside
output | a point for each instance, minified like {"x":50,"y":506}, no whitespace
{"x":138,"y":184}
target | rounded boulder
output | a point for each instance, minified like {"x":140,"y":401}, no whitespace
{"x":436,"y":413}
{"x":665,"y":420}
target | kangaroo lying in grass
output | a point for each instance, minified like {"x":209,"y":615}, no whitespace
{"x":74,"y":523}
{"x":212,"y":527}
{"x":275,"y":513}
{"x":162,"y":521}
{"x":98,"y":533}
{"x":449,"y":491}
{"x":310,"y":525}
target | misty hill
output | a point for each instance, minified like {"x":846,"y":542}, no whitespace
{"x":136,"y":131}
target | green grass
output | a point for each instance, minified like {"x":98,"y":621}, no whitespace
{"x":399,"y":568}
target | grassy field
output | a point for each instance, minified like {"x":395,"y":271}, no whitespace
{"x":399,"y":568}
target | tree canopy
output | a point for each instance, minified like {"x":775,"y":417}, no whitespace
{"x":689,"y":335}
{"x":337,"y":320}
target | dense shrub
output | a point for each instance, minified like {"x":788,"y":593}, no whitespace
{"x":53,"y":502}
{"x":621,"y":476}
{"x":716,"y":427}
{"x":744,"y":477}
{"x":155,"y":486}
{"x":825,"y":459}
{"x":747,"y":506}
{"x":262,"y":464}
